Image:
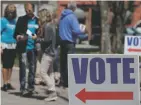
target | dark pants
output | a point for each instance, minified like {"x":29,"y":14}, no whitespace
{"x":66,"y":48}
{"x":24,"y":59}
{"x":56,"y":61}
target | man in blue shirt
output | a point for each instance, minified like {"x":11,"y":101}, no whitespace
{"x":25,"y":34}
{"x":69,"y":30}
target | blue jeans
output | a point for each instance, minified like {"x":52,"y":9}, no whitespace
{"x":24,"y":59}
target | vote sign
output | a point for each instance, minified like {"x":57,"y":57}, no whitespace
{"x":132,"y":45}
{"x":103,"y":79}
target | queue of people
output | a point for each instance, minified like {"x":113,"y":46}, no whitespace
{"x":35,"y":40}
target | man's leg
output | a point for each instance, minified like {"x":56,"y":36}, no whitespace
{"x":56,"y":67}
{"x":31,"y":66}
{"x":63,"y":65}
{"x":71,"y":50}
{"x":22,"y":66}
{"x":56,"y":61}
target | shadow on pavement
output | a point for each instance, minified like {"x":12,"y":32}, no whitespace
{"x":64,"y":98}
{"x":16,"y":93}
{"x":38,"y":97}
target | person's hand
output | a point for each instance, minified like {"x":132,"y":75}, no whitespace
{"x":21,"y":38}
{"x":18,"y":37}
{"x":86,"y":30}
{"x":34,"y":37}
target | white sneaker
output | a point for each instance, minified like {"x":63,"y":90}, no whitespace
{"x":51,"y":97}
{"x":37,"y":81}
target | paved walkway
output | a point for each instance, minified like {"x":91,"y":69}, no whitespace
{"x":14,"y":98}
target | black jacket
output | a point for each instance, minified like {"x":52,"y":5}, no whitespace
{"x":21,"y":28}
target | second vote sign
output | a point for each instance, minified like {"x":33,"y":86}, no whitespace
{"x":132,"y":45}
{"x":103,"y":79}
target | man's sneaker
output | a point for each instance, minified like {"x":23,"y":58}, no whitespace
{"x":10,"y":87}
{"x":32,"y":91}
{"x":4,"y":88}
{"x":24,"y":93}
{"x":51,"y":97}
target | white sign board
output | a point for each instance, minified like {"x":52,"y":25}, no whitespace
{"x":132,"y":45}
{"x":103,"y":79}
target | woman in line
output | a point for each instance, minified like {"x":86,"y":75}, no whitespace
{"x":48,"y":48}
{"x":8,"y":45}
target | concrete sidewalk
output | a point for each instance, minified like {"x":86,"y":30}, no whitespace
{"x":13,"y":97}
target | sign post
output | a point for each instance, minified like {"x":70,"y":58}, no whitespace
{"x":103,"y":79}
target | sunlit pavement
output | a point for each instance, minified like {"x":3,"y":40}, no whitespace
{"x":13,"y":97}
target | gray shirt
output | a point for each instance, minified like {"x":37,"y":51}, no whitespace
{"x":49,"y":39}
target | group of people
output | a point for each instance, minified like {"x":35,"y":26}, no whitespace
{"x":31,"y":36}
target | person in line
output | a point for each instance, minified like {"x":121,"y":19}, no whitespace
{"x":25,"y":34}
{"x":69,"y":30}
{"x":48,"y":48}
{"x":8,"y":44}
{"x":135,"y":19}
{"x":56,"y":67}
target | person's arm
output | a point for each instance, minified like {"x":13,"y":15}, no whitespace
{"x":20,"y":33}
{"x":37,"y":22}
{"x":75,"y":26}
{"x":3,"y":25}
{"x":17,"y":28}
{"x":54,"y":36}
